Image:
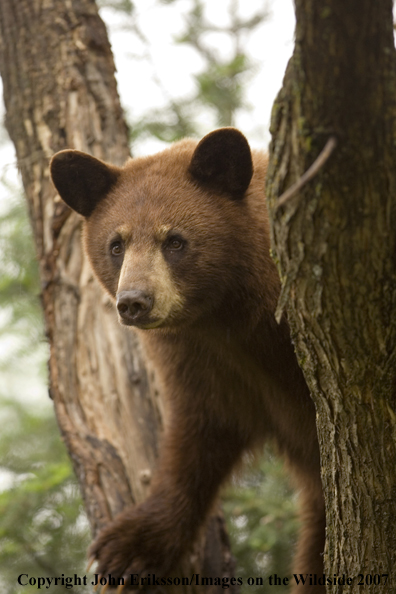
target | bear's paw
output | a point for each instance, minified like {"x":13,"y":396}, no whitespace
{"x":135,"y":545}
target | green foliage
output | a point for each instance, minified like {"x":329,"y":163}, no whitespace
{"x":125,"y":6}
{"x":220,"y":87}
{"x":262,"y":522}
{"x":19,"y":282}
{"x":169,"y":124}
{"x":43,"y":529}
{"x":221,"y":84}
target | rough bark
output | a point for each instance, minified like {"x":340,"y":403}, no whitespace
{"x":334,"y":242}
{"x":59,"y":92}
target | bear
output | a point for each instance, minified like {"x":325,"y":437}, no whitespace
{"x":181,"y":242}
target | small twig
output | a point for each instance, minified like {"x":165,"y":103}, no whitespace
{"x":310,"y":173}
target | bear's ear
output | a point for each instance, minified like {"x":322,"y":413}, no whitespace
{"x":82,"y":181}
{"x":223,"y":161}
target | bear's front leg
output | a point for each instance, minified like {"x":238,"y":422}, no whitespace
{"x":154,"y":536}
{"x":140,"y":540}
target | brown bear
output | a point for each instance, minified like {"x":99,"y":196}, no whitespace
{"x":180,"y":240}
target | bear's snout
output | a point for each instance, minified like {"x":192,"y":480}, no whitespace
{"x":133,"y":306}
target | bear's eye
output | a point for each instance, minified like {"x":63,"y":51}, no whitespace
{"x":116,"y":248}
{"x":174,"y":243}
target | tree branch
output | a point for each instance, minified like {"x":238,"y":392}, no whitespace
{"x":310,"y":173}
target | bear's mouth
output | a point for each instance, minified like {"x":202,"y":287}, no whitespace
{"x":142,"y":324}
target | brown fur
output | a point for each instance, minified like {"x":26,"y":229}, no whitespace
{"x":230,"y":372}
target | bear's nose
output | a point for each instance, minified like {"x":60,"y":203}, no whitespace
{"x":133,"y":305}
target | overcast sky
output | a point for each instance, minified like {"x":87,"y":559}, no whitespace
{"x":270,"y":46}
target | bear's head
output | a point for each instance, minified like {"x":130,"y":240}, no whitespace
{"x":168,"y":235}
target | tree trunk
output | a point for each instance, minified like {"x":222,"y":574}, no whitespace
{"x":334,"y":242}
{"x":59,"y":92}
